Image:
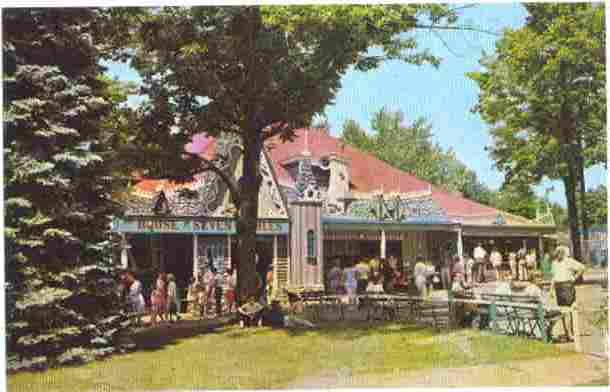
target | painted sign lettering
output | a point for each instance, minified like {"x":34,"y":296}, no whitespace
{"x":196,"y":226}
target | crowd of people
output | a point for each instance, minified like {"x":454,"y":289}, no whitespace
{"x":164,"y":299}
{"x":366,"y":276}
{"x":212,"y":294}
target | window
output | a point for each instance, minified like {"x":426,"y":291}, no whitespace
{"x":311,"y":247}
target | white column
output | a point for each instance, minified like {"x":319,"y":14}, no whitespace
{"x":383,"y":244}
{"x":460,"y":245}
{"x":124,"y":256}
{"x":540,"y":247}
{"x":195,"y":257}
{"x":229,"y":250}
{"x":274,"y":261}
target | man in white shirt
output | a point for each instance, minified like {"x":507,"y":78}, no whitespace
{"x":565,"y":271}
{"x":479,"y":259}
{"x":420,"y":273}
{"x":496,"y":261}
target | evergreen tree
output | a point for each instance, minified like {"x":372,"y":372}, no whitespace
{"x":61,"y":290}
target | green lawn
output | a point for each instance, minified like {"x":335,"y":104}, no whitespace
{"x":229,"y":357}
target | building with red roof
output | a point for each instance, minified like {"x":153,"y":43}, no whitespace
{"x":321,"y":203}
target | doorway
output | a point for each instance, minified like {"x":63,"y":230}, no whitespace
{"x":178,"y":257}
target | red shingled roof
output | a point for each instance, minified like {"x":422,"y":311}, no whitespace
{"x":367,"y":173}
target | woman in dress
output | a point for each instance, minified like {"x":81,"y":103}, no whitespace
{"x":230,"y":282}
{"x":209,"y":284}
{"x":191,"y":296}
{"x":158,"y":300}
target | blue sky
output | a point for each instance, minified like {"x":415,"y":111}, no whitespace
{"x":444,"y":96}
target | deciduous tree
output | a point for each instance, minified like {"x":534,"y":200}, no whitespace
{"x":257,"y":72}
{"x":543,"y":92}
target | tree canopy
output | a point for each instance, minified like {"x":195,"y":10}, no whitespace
{"x":255,"y":72}
{"x":543,"y":92}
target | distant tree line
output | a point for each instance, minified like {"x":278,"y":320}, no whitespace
{"x":409,"y":147}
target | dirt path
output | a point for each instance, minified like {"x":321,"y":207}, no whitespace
{"x":564,"y":371}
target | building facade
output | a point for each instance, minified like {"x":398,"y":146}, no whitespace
{"x":321,"y":203}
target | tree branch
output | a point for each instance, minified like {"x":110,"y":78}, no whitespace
{"x":226,"y":178}
{"x":274,"y":130}
{"x":457,"y":28}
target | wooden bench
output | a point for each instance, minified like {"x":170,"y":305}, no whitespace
{"x":378,"y":306}
{"x":517,"y":315}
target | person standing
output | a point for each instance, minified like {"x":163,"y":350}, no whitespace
{"x":512,"y":262}
{"x":421,"y":276}
{"x":530,"y":263}
{"x":363,"y":270}
{"x":480,"y":254}
{"x":192,"y":296}
{"x":469,"y":270}
{"x":546,"y":267}
{"x":446,"y":271}
{"x":388,"y":275}
{"x":230,"y":282}
{"x":173,"y":304}
{"x":135,"y":298}
{"x":351,"y":283}
{"x":521,"y":264}
{"x":334,"y":277}
{"x":269,"y":279}
{"x":158,"y":300}
{"x":218,"y":297}
{"x":496,"y":261}
{"x":209,"y":286}
{"x":565,"y":271}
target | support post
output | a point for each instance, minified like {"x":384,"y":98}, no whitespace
{"x":540,"y":314}
{"x":540,"y":247}
{"x":230,"y":260}
{"x":195,"y":258}
{"x":460,"y":243}
{"x":124,"y":252}
{"x":383,"y":245}
{"x":492,"y":315}
{"x":274,"y":284}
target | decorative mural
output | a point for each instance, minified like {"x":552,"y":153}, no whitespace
{"x":396,"y":209}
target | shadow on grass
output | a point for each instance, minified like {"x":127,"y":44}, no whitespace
{"x":349,"y":330}
{"x":150,"y":339}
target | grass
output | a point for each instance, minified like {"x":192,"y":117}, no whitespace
{"x":229,"y":357}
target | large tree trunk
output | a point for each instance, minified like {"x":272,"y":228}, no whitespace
{"x":249,"y":186}
{"x":583,"y":206}
{"x":569,"y":182}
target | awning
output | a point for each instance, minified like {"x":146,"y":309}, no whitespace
{"x":342,"y":224}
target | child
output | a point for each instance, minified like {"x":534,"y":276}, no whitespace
{"x":173,"y":306}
